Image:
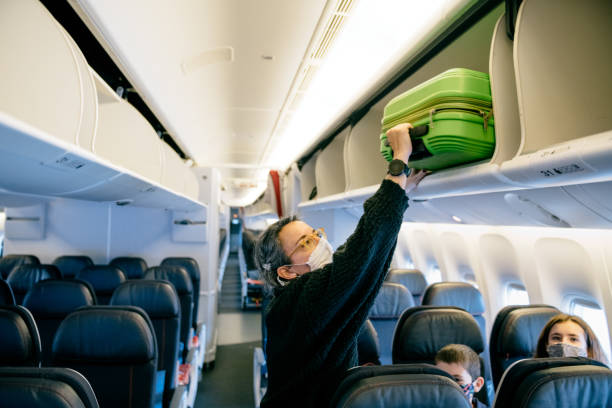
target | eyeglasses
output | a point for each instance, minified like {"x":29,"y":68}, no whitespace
{"x":310,"y":241}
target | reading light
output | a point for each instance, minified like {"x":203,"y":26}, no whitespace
{"x":375,"y":39}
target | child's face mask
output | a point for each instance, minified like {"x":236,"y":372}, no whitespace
{"x":468,"y":390}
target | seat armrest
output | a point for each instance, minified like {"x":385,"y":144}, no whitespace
{"x":179,"y":398}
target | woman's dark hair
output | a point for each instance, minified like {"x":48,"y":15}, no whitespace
{"x":594,"y":350}
{"x":269,"y":254}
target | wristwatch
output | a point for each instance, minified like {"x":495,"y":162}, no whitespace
{"x":397,"y":167}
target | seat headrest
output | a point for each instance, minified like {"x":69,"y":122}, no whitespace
{"x":521,"y":329}
{"x":553,"y":378}
{"x":189,"y":264}
{"x":132,"y":267}
{"x":368,"y":347}
{"x":25,"y":276}
{"x":19,"y":342}
{"x":71,"y":265}
{"x":157,"y":298}
{"x":103,"y":278}
{"x":6,"y":294}
{"x":405,"y":385}
{"x":412,"y":279}
{"x":459,"y":294}
{"x":423,"y":330}
{"x":391,"y":301}
{"x":46,"y":387}
{"x":177,"y":275}
{"x":57,"y":298}
{"x":105,"y":334}
{"x":9,"y":263}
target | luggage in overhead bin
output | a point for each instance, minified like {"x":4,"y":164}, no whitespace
{"x":452,"y":116}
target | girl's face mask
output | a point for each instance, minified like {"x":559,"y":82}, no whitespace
{"x":565,"y":350}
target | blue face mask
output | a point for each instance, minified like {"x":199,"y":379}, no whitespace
{"x":468,"y":391}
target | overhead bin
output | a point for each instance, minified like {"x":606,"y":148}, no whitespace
{"x":308,"y":179}
{"x":329,"y":168}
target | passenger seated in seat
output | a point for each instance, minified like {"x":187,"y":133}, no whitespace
{"x":463,"y":364}
{"x":321,"y":298}
{"x":569,"y":336}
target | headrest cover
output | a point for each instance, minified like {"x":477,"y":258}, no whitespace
{"x":108,"y":334}
{"x":132,"y":267}
{"x":176,"y":275}
{"x":46,"y":387}
{"x":57,"y":298}
{"x":71,"y":265}
{"x":422,"y":331}
{"x":6,"y":294}
{"x":157,"y":298}
{"x":520,"y":333}
{"x":19,"y":342}
{"x":189,"y":264}
{"x":391,"y":301}
{"x":103,"y":278}
{"x":9,"y":263}
{"x":459,"y":294}
{"x":412,"y":279}
{"x":25,"y":276}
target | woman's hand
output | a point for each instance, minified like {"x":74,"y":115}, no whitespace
{"x":415,"y":178}
{"x":399,"y":140}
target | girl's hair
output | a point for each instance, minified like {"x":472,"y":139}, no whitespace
{"x":594,"y":350}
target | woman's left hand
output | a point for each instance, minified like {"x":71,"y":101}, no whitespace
{"x":415,"y":178}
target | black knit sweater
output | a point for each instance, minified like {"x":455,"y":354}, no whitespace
{"x":313,"y":322}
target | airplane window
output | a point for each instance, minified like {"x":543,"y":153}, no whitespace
{"x":516,"y":295}
{"x":596,"y":318}
{"x":434,"y":274}
{"x":471,"y":279}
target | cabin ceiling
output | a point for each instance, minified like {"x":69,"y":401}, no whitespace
{"x":215,"y":72}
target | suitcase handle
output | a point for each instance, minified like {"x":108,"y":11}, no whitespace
{"x":418,"y":147}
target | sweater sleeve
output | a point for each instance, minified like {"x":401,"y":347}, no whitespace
{"x":333,"y":294}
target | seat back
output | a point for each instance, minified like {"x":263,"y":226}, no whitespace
{"x":182,"y":284}
{"x":403,"y":385}
{"x":25,"y":276}
{"x":412,"y":279}
{"x":50,"y":301}
{"x":131,"y":266}
{"x":555,"y":382}
{"x":19,"y":339}
{"x":104,"y":279}
{"x":160,"y":301}
{"x":45,"y":387}
{"x":71,"y":265}
{"x":192,"y":268}
{"x":515,"y":335}
{"x":6,"y":294}
{"x":388,"y":306}
{"x":368,"y":346}
{"x":114,"y":347}
{"x":9,"y":263}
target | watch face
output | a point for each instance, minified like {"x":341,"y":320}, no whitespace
{"x":396,"y":167}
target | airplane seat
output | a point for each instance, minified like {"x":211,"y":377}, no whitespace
{"x":515,"y":334}
{"x":19,"y":342}
{"x":104,"y":279}
{"x":181,"y":281}
{"x":6,"y":294}
{"x":45,"y":387}
{"x":403,"y":385}
{"x":50,"y":301}
{"x":160,"y":301}
{"x":368,"y":346}
{"x":71,"y":265}
{"x":131,"y":266}
{"x":412,"y":279}
{"x":388,"y":306}
{"x":192,"y":268}
{"x":575,"y":382}
{"x":25,"y":276}
{"x":423,"y":330}
{"x":115,"y":348}
{"x":9,"y":263}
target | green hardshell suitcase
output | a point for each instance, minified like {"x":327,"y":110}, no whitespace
{"x":452,"y":116}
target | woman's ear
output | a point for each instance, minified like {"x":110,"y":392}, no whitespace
{"x":478,"y":384}
{"x":285,"y":272}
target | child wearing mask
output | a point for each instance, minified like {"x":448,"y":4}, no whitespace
{"x":463,"y":364}
{"x":569,"y":336}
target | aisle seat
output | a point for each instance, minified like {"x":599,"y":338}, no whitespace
{"x":19,"y":342}
{"x":412,"y":279}
{"x":104,"y":279}
{"x":6,"y":294}
{"x":115,"y":348}
{"x":8,"y":263}
{"x":131,"y":266}
{"x":71,"y":265}
{"x":25,"y":276}
{"x":368,"y":346}
{"x":50,"y":301}
{"x":192,"y":268}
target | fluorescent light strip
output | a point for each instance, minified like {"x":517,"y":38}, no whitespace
{"x":375,"y":36}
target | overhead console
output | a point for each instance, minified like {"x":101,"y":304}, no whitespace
{"x":553,"y":126}
{"x":65,"y":133}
